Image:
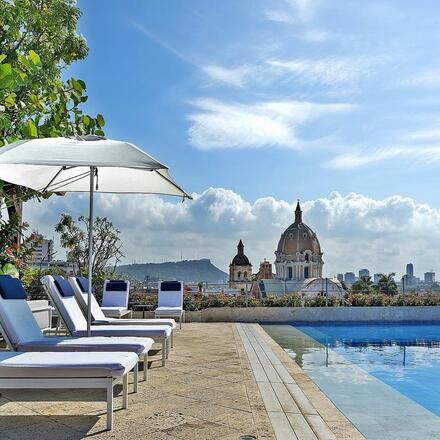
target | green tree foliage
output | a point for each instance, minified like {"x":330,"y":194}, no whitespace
{"x":364,"y":284}
{"x":106,"y":245}
{"x":386,"y":284}
{"x":106,"y":242}
{"x":38,"y":39}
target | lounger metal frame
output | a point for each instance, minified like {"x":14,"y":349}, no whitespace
{"x":106,"y":383}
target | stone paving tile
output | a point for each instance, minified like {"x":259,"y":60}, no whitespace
{"x":241,"y":420}
{"x":201,"y":430}
{"x":235,"y":402}
{"x":63,"y":408}
{"x":203,"y":411}
{"x":165,"y":420}
{"x":201,"y":394}
{"x":19,"y":427}
{"x":232,"y":388}
{"x":206,"y":391}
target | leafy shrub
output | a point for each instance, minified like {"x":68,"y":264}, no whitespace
{"x":198,"y":301}
{"x":32,"y":284}
{"x":290,"y":300}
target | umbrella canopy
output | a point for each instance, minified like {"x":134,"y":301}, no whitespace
{"x":63,"y":164}
{"x":85,"y":164}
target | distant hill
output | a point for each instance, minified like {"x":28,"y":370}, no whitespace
{"x":187,"y":270}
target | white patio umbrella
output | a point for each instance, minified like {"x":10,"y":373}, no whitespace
{"x":85,"y":164}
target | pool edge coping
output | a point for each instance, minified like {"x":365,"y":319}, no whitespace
{"x":338,"y":423}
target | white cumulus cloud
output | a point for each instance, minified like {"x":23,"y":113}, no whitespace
{"x":355,"y":231}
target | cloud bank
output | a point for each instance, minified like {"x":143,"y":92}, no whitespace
{"x":355,"y":231}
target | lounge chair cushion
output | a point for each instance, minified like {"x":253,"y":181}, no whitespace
{"x":150,"y":331}
{"x":11,"y":288}
{"x":67,"y":306}
{"x":58,"y":365}
{"x":141,"y":321}
{"x":170,"y":286}
{"x":18,"y":322}
{"x":139,"y":346}
{"x":115,"y":293}
{"x":114,"y":311}
{"x":83,"y":284}
{"x":170,"y":300}
{"x":80,"y":287}
{"x":116,"y":286}
{"x":170,"y":294}
{"x":170,"y":311}
{"x":63,"y":286}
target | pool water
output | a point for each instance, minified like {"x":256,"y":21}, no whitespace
{"x":381,"y":376}
{"x":406,"y":357}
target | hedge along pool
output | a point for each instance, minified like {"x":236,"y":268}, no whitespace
{"x":385,"y":377}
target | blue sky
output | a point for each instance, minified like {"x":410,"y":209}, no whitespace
{"x":285,"y":99}
{"x":348,"y":82}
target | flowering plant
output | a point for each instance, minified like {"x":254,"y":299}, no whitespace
{"x":15,"y":246}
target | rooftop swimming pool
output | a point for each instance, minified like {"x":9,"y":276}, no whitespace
{"x":384,"y":377}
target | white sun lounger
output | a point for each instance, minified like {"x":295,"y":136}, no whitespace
{"x":80,"y":287}
{"x":22,"y":332}
{"x":63,"y":298}
{"x":77,"y":370}
{"x":115,"y":298}
{"x":170,"y":301}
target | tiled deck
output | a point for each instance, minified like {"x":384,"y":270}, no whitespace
{"x":207,"y":391}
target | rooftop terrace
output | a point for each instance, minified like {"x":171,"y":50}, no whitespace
{"x":222,"y":380}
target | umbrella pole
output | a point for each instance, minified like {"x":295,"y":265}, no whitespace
{"x":90,"y":269}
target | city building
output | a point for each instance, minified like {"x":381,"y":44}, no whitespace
{"x":240,"y":270}
{"x":340,"y":277}
{"x":298,"y":265}
{"x":349,"y":277}
{"x":409,"y":279}
{"x":70,"y":268}
{"x":265,"y":271}
{"x":376,"y":277}
{"x":429,"y":277}
{"x":43,"y":253}
{"x":363,"y":273}
{"x":298,"y":255}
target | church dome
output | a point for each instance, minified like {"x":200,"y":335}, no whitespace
{"x":240,"y":259}
{"x":298,"y":237}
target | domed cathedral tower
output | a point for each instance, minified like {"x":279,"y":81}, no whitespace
{"x":298,"y":255}
{"x":240,"y":269}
